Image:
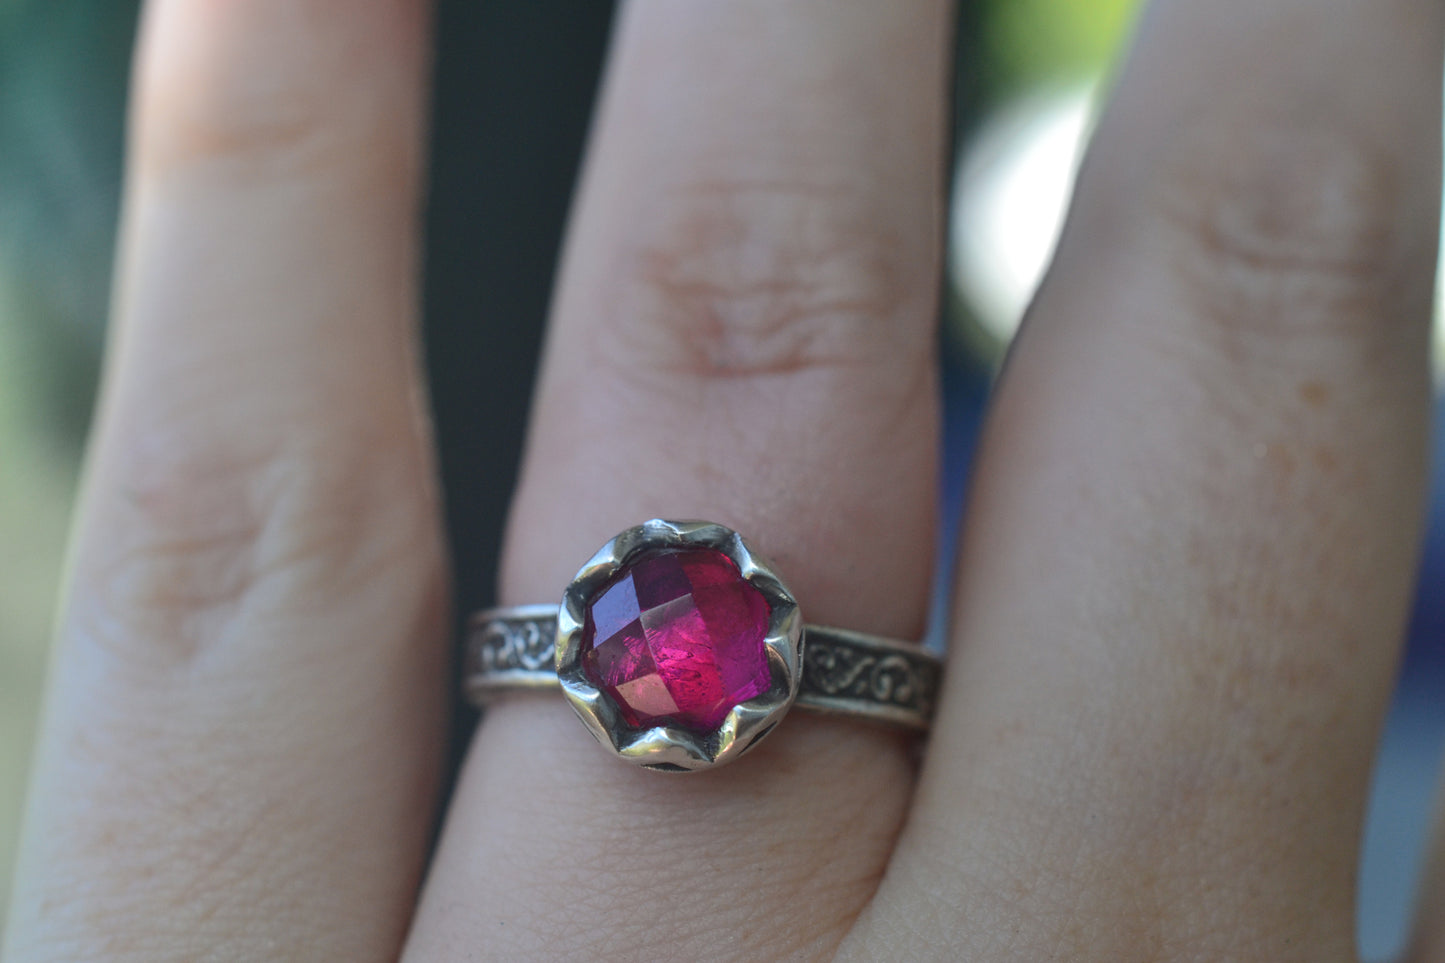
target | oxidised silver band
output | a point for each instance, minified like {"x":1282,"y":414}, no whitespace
{"x":846,"y":673}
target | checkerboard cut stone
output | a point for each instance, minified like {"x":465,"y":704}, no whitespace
{"x":676,"y":638}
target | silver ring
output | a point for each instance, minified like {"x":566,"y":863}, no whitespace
{"x":679,"y":648}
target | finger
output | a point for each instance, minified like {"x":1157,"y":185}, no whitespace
{"x":242,"y":735}
{"x":744,"y":332}
{"x":1194,"y":524}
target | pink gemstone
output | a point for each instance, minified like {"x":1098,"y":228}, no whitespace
{"x":677,"y":639}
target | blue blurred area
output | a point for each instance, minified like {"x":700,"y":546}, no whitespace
{"x":965,"y":384}
{"x":1426,"y":655}
{"x":1407,"y":770}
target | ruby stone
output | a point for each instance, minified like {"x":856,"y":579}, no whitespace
{"x":676,"y":638}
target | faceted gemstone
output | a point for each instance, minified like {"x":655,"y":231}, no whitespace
{"x":676,"y":638}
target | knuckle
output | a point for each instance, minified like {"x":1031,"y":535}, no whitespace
{"x":1285,"y":231}
{"x":203,"y":101}
{"x":191,"y":116}
{"x":741,"y":278}
{"x":202,"y":535}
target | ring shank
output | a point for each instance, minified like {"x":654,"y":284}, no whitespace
{"x":844,"y":673}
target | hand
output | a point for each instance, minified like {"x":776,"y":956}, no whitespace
{"x":1187,"y":558}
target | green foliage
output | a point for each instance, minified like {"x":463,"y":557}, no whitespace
{"x":1050,"y":40}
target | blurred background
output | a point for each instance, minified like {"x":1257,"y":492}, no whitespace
{"x":514,"y":86}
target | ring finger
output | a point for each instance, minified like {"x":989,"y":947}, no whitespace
{"x":744,"y":333}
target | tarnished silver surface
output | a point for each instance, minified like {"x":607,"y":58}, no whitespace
{"x":843,"y":672}
{"x":830,"y":670}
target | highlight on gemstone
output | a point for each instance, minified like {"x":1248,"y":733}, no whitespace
{"x":677,"y":638}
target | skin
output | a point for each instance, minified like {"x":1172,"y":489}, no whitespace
{"x":1186,"y":564}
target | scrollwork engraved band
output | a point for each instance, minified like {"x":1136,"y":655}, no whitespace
{"x":844,"y":672}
